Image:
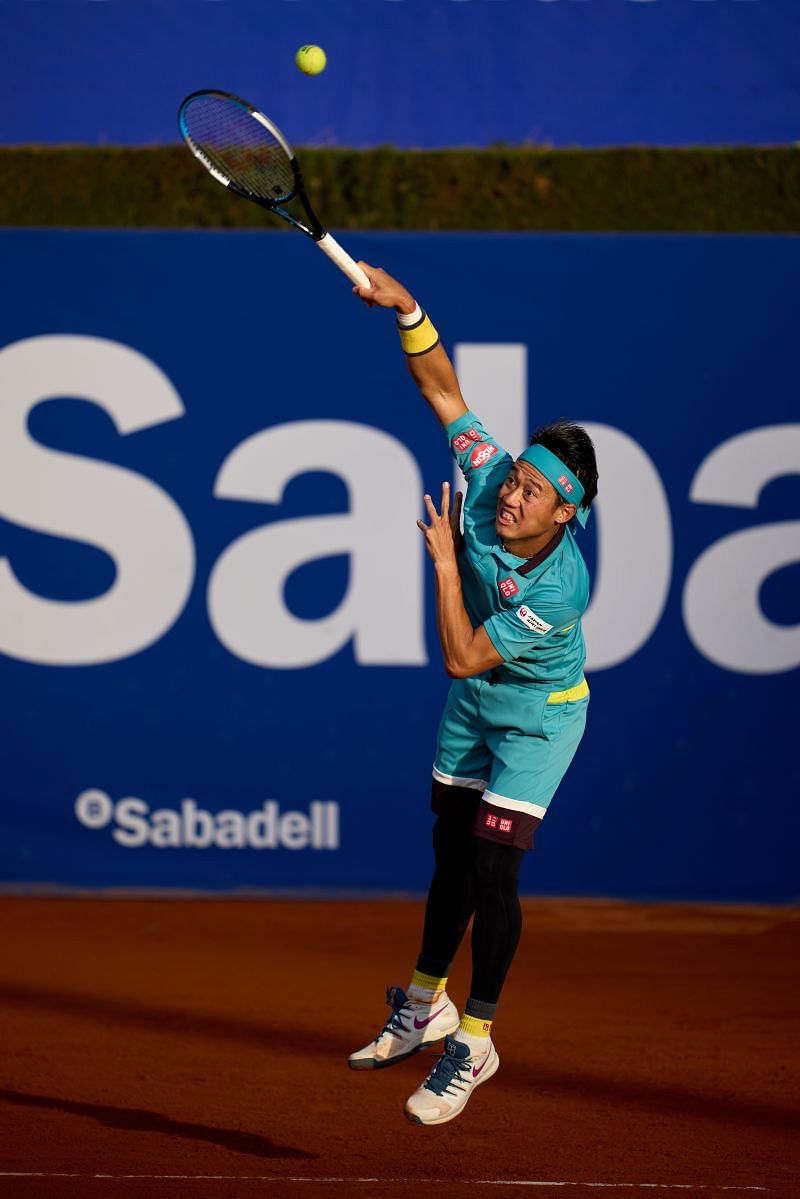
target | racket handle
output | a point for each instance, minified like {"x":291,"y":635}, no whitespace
{"x":330,"y":246}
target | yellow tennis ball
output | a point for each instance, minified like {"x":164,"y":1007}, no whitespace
{"x":311,"y":59}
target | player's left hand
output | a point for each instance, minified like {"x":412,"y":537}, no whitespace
{"x":443,"y":534}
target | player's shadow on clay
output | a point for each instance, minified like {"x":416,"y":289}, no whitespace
{"x":133,"y":1119}
{"x":178,"y":1022}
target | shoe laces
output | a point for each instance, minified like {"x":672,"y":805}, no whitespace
{"x":401,"y":1012}
{"x":447,"y":1074}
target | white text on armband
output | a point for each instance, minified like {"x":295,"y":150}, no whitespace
{"x":533,"y":621}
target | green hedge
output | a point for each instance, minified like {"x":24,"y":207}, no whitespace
{"x":733,"y":190}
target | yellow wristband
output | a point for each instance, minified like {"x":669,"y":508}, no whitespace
{"x":418,"y":338}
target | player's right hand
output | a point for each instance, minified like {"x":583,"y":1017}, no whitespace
{"x":384,"y":291}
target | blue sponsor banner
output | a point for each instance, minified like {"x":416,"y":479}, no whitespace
{"x":219,"y":660}
{"x":426,"y":73}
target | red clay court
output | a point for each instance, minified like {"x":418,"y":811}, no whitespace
{"x":197,"y":1048}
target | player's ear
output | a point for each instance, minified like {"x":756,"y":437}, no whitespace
{"x":565,"y":513}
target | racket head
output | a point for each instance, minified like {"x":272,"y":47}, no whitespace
{"x":240,"y":147}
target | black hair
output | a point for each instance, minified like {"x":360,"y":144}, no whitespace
{"x":573,"y":445}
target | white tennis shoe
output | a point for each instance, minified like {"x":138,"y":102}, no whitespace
{"x":412,"y":1026}
{"x":446,"y":1091}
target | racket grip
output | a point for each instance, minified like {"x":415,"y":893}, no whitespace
{"x":330,"y":246}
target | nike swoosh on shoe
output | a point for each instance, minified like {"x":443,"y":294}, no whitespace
{"x":475,"y":1072}
{"x":423,"y":1023}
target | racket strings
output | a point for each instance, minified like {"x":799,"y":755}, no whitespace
{"x":239,"y":146}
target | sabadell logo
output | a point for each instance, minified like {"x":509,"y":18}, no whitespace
{"x":134,"y":825}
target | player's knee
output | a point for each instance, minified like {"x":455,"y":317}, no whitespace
{"x":496,"y":867}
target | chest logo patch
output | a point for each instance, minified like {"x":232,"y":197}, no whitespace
{"x":533,"y":621}
{"x":482,"y":453}
{"x":507,"y":587}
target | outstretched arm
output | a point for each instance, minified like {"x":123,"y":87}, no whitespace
{"x":432,"y":371}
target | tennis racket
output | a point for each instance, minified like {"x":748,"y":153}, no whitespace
{"x":248,"y":154}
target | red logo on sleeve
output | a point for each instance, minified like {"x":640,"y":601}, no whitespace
{"x":491,"y":820}
{"x":505,"y":826}
{"x":464,"y":440}
{"x":507,"y":587}
{"x":482,"y":453}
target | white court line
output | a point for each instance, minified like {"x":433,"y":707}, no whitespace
{"x":479,"y":1182}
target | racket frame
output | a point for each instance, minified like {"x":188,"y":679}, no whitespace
{"x":314,"y":229}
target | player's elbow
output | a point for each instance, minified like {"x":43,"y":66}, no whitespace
{"x":466,"y":657}
{"x":460,"y":668}
{"x":455,"y":672}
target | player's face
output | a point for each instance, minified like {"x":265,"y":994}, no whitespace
{"x":528,"y":507}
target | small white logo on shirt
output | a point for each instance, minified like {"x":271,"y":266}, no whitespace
{"x":533,"y":621}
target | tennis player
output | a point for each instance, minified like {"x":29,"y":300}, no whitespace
{"x":510,"y":595}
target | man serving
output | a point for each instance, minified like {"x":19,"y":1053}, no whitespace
{"x":510,"y":596}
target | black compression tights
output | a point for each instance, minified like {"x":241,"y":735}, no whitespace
{"x":472,"y":875}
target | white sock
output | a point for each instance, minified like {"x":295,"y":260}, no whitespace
{"x":423,"y":994}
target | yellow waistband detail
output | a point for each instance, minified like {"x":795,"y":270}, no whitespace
{"x":571,"y":694}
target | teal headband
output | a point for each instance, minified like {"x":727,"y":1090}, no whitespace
{"x":566,"y":484}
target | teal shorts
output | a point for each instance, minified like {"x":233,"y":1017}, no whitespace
{"x":512,"y":744}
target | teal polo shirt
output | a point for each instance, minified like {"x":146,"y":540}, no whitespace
{"x":531,"y":608}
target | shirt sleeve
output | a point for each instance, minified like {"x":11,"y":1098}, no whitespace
{"x":518,"y":629}
{"x":480,"y":458}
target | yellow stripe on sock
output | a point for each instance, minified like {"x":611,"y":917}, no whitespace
{"x":428,"y":981}
{"x":475,"y":1027}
